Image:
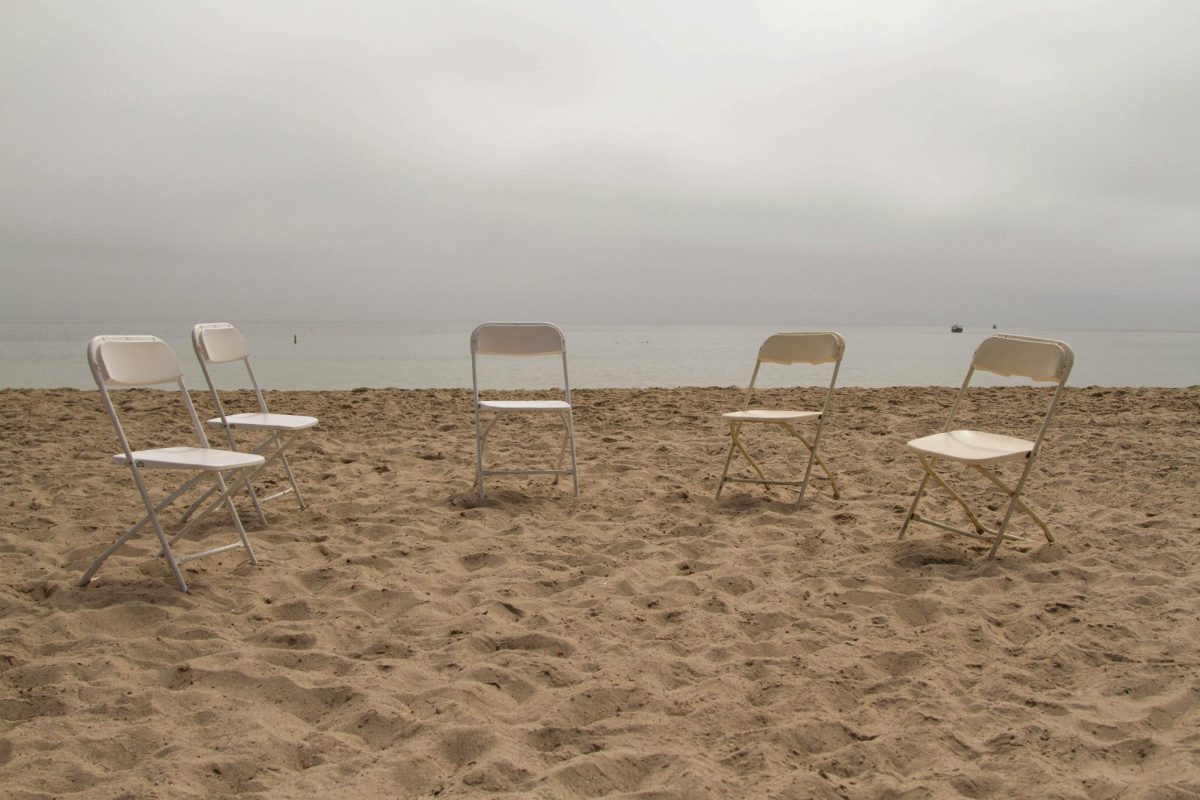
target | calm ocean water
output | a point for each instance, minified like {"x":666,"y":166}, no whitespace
{"x":343,"y":355}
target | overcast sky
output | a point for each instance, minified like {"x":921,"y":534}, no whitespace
{"x":1032,"y":163}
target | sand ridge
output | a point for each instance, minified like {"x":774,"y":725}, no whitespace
{"x":401,"y":640}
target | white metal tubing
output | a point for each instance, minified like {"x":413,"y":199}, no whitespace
{"x":198,"y":346}
{"x":272,"y":440}
{"x":287,"y":466}
{"x":151,"y":508}
{"x":912,"y":510}
{"x":812,"y":452}
{"x":574,"y":465}
{"x":151,"y":511}
{"x":278,"y":452}
{"x":750,"y":388}
{"x":735,"y":443}
{"x":1012,"y":506}
{"x":262,"y":403}
{"x":211,"y":552}
{"x":481,"y":431}
{"x":1015,"y":502}
{"x":478,"y":434}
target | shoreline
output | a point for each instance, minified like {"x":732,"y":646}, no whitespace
{"x":398,"y":638}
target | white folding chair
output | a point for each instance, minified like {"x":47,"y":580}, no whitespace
{"x":818,"y":347}
{"x":219,"y":343}
{"x":125,"y":361}
{"x":1043,"y":360}
{"x":521,"y":339}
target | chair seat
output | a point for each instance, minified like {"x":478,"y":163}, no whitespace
{"x":205,"y":459}
{"x":972,"y":447}
{"x":266,"y":422}
{"x":769,"y":415}
{"x":525,"y":405}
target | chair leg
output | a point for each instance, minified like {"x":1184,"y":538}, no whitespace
{"x":913,"y":508}
{"x":958,"y":498}
{"x":813,"y":454}
{"x":479,"y":436}
{"x":754,"y":464}
{"x":562,"y":450}
{"x":728,"y":459}
{"x":199,"y":501}
{"x":233,"y":516}
{"x":1015,"y":501}
{"x":168,"y":554}
{"x":574,"y":464}
{"x":1012,"y":506}
{"x":287,"y":467}
{"x":1021,"y":504}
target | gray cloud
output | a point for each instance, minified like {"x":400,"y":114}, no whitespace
{"x":860,"y":162}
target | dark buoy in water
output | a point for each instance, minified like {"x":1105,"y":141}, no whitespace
{"x":294,"y":340}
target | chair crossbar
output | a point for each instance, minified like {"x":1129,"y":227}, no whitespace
{"x":736,"y":445}
{"x":529,"y":472}
{"x":764,"y":481}
{"x":280,"y":493}
{"x":212,"y":551}
{"x":226,"y":491}
{"x":986,"y":536}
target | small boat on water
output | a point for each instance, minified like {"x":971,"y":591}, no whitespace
{"x":956,"y":328}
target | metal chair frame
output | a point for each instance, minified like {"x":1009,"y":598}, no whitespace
{"x":1008,"y":355}
{"x":788,"y":349}
{"x":283,"y":430}
{"x":521,"y":339}
{"x":165,"y":369}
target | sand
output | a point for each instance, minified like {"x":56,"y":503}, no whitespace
{"x":399,"y":640}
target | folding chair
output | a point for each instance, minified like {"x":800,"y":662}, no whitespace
{"x":1042,"y":360}
{"x":521,"y":339}
{"x":219,"y":343}
{"x":819,"y":347}
{"x":125,"y":361}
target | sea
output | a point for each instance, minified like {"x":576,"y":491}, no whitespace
{"x":413,"y":355}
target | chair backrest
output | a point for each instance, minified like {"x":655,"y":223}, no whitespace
{"x":1046,"y":360}
{"x":132,"y":361}
{"x":806,"y":347}
{"x":1024,"y":356}
{"x":219,"y":342}
{"x":126,"y":361}
{"x":800,"y":347}
{"x":518,"y":339}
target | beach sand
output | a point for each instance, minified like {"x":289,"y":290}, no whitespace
{"x":399,"y":640}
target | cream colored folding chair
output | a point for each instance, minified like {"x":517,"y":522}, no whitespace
{"x":220,"y":343}
{"x":820,"y":347}
{"x":1043,"y":360}
{"x":126,"y":361}
{"x":521,"y":339}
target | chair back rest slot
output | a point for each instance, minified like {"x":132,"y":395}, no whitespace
{"x":220,"y":342}
{"x":518,"y":339}
{"x":133,"y":361}
{"x":1024,"y":356}
{"x":807,"y":347}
